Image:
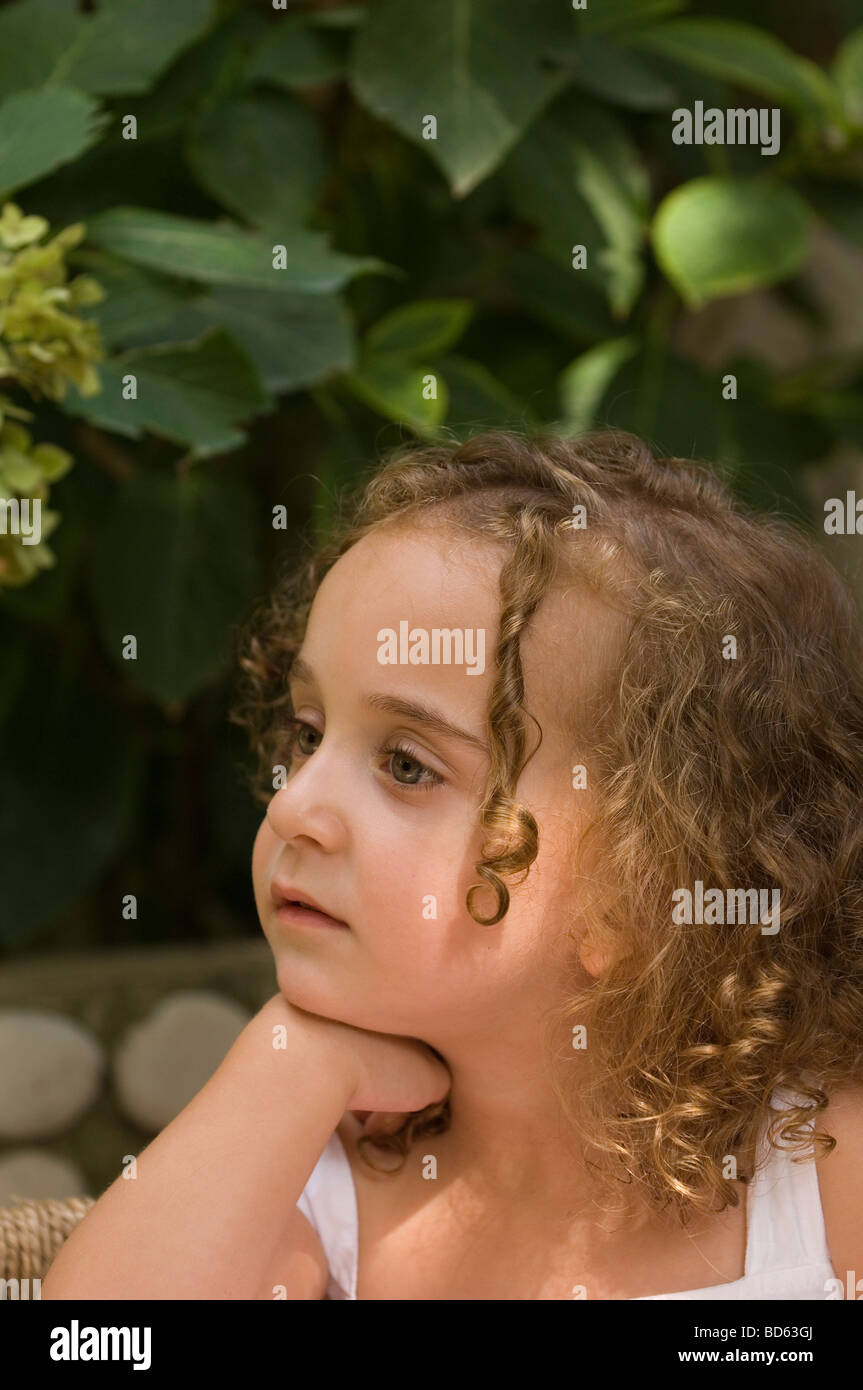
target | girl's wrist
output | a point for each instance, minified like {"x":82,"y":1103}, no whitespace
{"x":321,"y":1043}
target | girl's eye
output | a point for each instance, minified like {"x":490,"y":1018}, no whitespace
{"x":298,"y":728}
{"x":426,"y":778}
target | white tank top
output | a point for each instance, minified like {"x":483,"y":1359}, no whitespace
{"x":786,"y":1244}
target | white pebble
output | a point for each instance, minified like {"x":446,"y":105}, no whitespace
{"x":161,"y":1063}
{"x":35,"y":1174}
{"x":50,"y":1073}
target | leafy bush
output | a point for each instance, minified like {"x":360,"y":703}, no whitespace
{"x":242,"y":250}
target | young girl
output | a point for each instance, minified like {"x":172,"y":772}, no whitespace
{"x":567,"y":750}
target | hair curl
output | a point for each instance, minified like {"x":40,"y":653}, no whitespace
{"x":735,"y":772}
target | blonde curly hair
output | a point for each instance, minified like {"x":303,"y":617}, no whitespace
{"x":732,"y":772}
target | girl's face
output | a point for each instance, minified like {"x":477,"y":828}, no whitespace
{"x":386,"y":840}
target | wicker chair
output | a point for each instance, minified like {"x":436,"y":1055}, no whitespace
{"x":31,"y":1233}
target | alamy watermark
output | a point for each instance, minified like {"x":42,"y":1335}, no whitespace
{"x":734,"y":126}
{"x":442,"y":646}
{"x":20,"y":1290}
{"x":718,"y":907}
{"x":77,"y":1343}
{"x":24,"y":524}
{"x":844,"y":518}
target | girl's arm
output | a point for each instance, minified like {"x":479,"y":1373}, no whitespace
{"x":211,"y":1207}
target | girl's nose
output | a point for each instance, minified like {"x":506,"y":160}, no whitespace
{"x":307,"y":808}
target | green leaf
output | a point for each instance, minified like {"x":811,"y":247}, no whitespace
{"x":580,"y":176}
{"x":743,"y":54}
{"x":478,"y":400}
{"x":723,"y":236}
{"x":848,"y":75}
{"x":192,"y":393}
{"x":137,"y":302}
{"x":223,"y":255}
{"x":422,"y":329}
{"x":40,"y":129}
{"x":294,"y":56}
{"x":474,"y":66}
{"x":626,"y":14}
{"x":612,"y":180}
{"x":33,"y":36}
{"x":262,"y":156}
{"x":671,"y":403}
{"x":395,"y":388}
{"x":540,"y":180}
{"x":124,"y":47}
{"x":606,"y":70}
{"x":121,"y":49}
{"x":339,"y":461}
{"x":175,"y":566}
{"x":585,"y":381}
{"x":213,"y":66}
{"x":62,"y":735}
{"x":294,"y":340}
{"x":567,"y":301}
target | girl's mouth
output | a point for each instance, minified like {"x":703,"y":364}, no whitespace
{"x":300,"y":911}
{"x":295,"y":914}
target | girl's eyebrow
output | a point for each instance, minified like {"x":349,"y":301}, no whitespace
{"x":426,"y":715}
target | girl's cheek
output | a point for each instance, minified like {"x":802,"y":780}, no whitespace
{"x":257,"y":852}
{"x":264,"y":853}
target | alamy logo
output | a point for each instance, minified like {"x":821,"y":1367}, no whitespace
{"x":443,"y":646}
{"x":76,"y":1343}
{"x":718,"y":908}
{"x":844,"y":518}
{"x":20,"y":1290}
{"x":18,"y":510}
{"x":735,"y":126}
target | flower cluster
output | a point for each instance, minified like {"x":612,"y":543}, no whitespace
{"x":43,"y":343}
{"x":26,"y":471}
{"x":44,"y":346}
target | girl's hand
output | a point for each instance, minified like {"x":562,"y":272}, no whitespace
{"x":396,"y":1075}
{"x":388,"y":1073}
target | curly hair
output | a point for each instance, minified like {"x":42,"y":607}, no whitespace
{"x":734,"y":772}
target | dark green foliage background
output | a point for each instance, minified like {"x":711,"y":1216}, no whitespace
{"x":259,"y":388}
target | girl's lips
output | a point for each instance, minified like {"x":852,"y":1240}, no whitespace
{"x":306,"y":917}
{"x":285,"y":894}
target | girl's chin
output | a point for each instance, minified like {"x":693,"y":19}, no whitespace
{"x":313,"y":997}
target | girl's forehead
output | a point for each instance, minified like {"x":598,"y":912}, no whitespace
{"x":404,"y":618}
{"x":426,"y":542}
{"x":423,"y":569}
{"x":414,"y":583}
{"x":442,"y":567}
{"x":571,"y":652}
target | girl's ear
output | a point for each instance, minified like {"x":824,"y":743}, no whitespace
{"x":594,"y":959}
